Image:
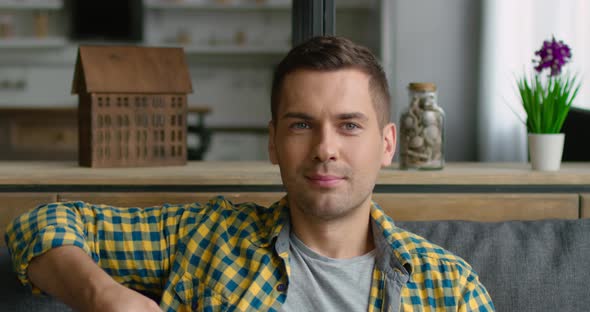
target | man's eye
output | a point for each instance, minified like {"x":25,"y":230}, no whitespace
{"x":300,"y":125}
{"x":350,"y":126}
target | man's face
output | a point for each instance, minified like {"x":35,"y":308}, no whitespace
{"x":328,"y":142}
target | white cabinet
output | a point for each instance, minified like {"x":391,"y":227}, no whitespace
{"x":31,"y":24}
{"x":220,"y":27}
{"x":249,"y":27}
{"x":232,"y":47}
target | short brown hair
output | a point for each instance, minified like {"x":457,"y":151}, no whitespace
{"x":329,"y":54}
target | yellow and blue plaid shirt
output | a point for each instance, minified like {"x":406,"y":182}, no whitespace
{"x":225,"y":257}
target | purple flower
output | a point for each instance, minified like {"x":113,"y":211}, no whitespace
{"x":554,"y":55}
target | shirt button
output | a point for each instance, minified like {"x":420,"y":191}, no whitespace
{"x":281,"y":287}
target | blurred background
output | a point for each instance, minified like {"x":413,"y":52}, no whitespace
{"x":472,"y":50}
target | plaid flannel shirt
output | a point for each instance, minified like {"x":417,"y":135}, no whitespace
{"x":220,"y":256}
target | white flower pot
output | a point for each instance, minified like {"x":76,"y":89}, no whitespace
{"x":545,"y":150}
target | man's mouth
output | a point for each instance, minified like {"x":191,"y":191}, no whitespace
{"x":325,"y":180}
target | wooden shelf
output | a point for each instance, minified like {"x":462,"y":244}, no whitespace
{"x":231,"y":50}
{"x":463,"y":175}
{"x":179,"y":5}
{"x":205,"y":6}
{"x":32,"y":43}
{"x":507,"y":191}
{"x":73,"y":110}
{"x":31,"y":5}
{"x":227,"y":49}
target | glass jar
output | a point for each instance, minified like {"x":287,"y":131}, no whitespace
{"x":421,"y":127}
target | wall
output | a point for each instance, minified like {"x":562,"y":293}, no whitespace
{"x":438,"y":41}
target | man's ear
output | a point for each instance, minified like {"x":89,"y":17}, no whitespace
{"x":272,"y":150}
{"x":389,"y":144}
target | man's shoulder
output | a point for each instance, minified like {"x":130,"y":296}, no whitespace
{"x":424,"y":255}
{"x":435,"y":269}
{"x":241,"y":210}
{"x":247,"y":220}
{"x":415,"y":250}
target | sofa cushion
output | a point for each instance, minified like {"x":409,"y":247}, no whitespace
{"x":525,"y":265}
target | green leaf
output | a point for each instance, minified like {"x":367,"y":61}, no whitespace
{"x":547,"y":104}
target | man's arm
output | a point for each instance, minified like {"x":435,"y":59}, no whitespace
{"x":81,"y":252}
{"x":475,"y":297}
{"x":70,"y":275}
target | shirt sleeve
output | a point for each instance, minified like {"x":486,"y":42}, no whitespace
{"x":475,"y":296}
{"x":133,"y":245}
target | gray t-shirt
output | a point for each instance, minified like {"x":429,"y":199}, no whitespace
{"x":319,"y":283}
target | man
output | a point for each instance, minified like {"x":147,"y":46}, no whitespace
{"x":324,"y":247}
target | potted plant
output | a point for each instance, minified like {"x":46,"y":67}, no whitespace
{"x":546,"y":101}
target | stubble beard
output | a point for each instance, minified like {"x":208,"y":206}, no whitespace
{"x":327,"y":209}
{"x":326,"y":204}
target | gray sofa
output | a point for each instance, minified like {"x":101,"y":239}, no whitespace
{"x":525,"y":265}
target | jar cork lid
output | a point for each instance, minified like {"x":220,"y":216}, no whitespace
{"x":422,"y":86}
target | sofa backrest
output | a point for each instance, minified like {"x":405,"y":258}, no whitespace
{"x":525,"y":265}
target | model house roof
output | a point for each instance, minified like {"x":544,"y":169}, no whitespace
{"x":131,"y":69}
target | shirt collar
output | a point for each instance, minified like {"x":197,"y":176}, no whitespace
{"x":392,"y":254}
{"x":278,"y":222}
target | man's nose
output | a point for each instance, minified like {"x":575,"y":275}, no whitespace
{"x":325,"y":145}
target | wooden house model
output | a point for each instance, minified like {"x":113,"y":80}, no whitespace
{"x":132,"y":105}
